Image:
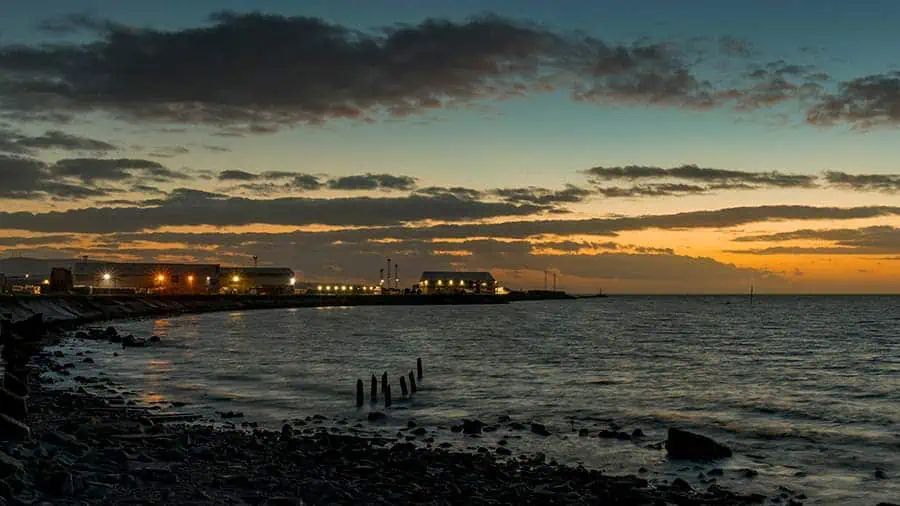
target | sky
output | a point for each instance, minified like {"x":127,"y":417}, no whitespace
{"x":630,"y":146}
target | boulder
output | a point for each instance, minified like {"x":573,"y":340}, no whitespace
{"x":472,"y":426}
{"x":12,"y":405}
{"x":540,"y":429}
{"x":682,"y":444}
{"x":9,"y":465}
{"x":13,"y":430}
{"x":375,"y":416}
{"x":14,"y":384}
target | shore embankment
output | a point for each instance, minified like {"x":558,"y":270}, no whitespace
{"x":80,"y":309}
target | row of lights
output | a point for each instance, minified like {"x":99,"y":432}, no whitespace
{"x":344,"y":288}
{"x":161,"y":278}
{"x":450,"y":282}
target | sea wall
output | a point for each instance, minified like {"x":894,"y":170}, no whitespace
{"x":79,"y":309}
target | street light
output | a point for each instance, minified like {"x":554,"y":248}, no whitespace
{"x":235,"y":279}
{"x":106,"y":276}
{"x":293,"y":281}
{"x":161,"y":277}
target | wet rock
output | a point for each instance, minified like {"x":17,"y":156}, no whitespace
{"x":749,"y":473}
{"x":539,"y":429}
{"x":82,"y":335}
{"x":516,"y":426}
{"x":14,"y":430}
{"x":60,"y":484}
{"x":584,"y":432}
{"x":420,"y":431}
{"x":155,"y":339}
{"x":9,"y":465}
{"x":880,"y":474}
{"x":375,"y":416}
{"x":682,"y":444}
{"x":411,"y":424}
{"x":637,"y":433}
{"x":58,"y":354}
{"x":504,"y":419}
{"x":64,"y":440}
{"x":716,"y":472}
{"x":503,"y":451}
{"x":286,"y":432}
{"x":231,"y":414}
{"x":472,"y":426}
{"x":14,"y":384}
{"x":16,"y":406}
{"x":88,"y":360}
{"x":681,"y":485}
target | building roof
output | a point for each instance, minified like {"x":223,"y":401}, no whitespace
{"x":262,"y":271}
{"x":468,"y":276}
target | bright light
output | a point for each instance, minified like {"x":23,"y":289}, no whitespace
{"x":440,"y":282}
{"x":46,"y":282}
{"x":208,"y":279}
{"x":160,"y":278}
{"x":320,"y":288}
{"x":328,"y":288}
{"x":426,"y":282}
{"x":106,"y":276}
{"x":235,"y":279}
{"x":191,"y":278}
{"x":450,"y":282}
{"x":293,"y":281}
{"x":27,"y":276}
{"x":343,"y":288}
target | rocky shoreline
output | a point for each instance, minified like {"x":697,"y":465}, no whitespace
{"x":99,"y":448}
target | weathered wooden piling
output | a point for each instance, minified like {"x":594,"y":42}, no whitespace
{"x":419,"y":367}
{"x":387,"y":396}
{"x":359,"y":393}
{"x":384,"y":382}
{"x":412,"y":383}
{"x":403,"y":390}
{"x":374,"y":389}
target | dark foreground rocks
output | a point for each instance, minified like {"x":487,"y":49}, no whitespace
{"x":682,"y":444}
{"x":84,"y":451}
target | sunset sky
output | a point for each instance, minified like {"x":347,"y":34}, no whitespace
{"x":635,"y":146}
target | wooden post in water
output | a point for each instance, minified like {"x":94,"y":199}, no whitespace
{"x":412,"y":382}
{"x":403,"y":389}
{"x":387,"y":396}
{"x":384,"y":382}
{"x":359,"y":393}
{"x":374,"y":389}
{"x":419,"y":367}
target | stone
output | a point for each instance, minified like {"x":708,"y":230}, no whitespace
{"x":64,"y":440}
{"x":516,"y":426}
{"x":636,"y":433}
{"x":14,"y":384}
{"x":420,"y":431}
{"x":9,"y":465}
{"x":880,"y":474}
{"x":681,"y":485}
{"x":375,"y":416}
{"x":583,"y":432}
{"x":155,"y":339}
{"x":503,"y":451}
{"x":12,"y":405}
{"x":60,"y":484}
{"x":716,"y":472}
{"x":504,"y":419}
{"x":13,"y":430}
{"x":472,"y":426}
{"x":286,"y":432}
{"x":539,"y":429}
{"x":88,"y":360}
{"x":682,"y":444}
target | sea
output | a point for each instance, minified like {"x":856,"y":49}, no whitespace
{"x":804,"y":389}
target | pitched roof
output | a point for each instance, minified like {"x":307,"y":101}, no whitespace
{"x":468,"y":276}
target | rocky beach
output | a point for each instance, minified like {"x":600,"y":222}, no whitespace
{"x":95,"y":444}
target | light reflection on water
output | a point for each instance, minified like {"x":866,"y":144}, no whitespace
{"x":805,"y":383}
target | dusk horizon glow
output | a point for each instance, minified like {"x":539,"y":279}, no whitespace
{"x":628,"y":149}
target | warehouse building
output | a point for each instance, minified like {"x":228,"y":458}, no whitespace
{"x":433,"y":282}
{"x":257,"y":280}
{"x":162,"y":278}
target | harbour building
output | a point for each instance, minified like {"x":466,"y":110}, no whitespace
{"x":163,"y":278}
{"x":257,"y":280}
{"x":434,"y":282}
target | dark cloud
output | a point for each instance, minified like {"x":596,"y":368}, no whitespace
{"x":29,"y":179}
{"x":237,"y":175}
{"x":16,"y":142}
{"x":456,"y":191}
{"x":372,"y":182}
{"x":169,"y":151}
{"x":652,"y":190}
{"x":38,"y":240}
{"x":772,"y":179}
{"x":863,"y":103}
{"x":886,"y":183}
{"x":192,"y":207}
{"x":90,"y":170}
{"x":226,"y":74}
{"x":780,"y":81}
{"x":866,"y":240}
{"x":216,"y":149}
{"x":543,"y":196}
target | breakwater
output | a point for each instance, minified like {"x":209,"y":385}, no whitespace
{"x":80,"y":309}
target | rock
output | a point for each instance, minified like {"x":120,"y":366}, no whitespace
{"x":286,"y":432}
{"x":12,"y":405}
{"x":284,"y":501}
{"x":14,"y":384}
{"x":880,"y":474}
{"x":375,"y":416}
{"x":456,"y":428}
{"x":420,"y":431}
{"x":88,"y":360}
{"x":9,"y":465}
{"x":472,"y":426}
{"x":64,"y":440}
{"x":681,"y":485}
{"x":749,"y":473}
{"x":539,"y":429}
{"x":231,"y":414}
{"x":503,"y":451}
{"x":60,"y":484}
{"x":410,"y":424}
{"x":516,"y":426}
{"x":58,"y":354}
{"x":637,"y":433}
{"x":583,"y":432}
{"x":111,"y":331}
{"x":716,"y":472}
{"x":155,"y":339}
{"x":14,"y":430}
{"x":82,"y":335}
{"x":504,"y":419}
{"x":682,"y":444}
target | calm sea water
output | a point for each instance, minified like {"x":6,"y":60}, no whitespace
{"x":806,"y":390}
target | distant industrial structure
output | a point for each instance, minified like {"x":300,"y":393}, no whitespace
{"x":434,"y":282}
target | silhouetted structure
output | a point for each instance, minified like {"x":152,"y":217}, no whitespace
{"x":433,"y":282}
